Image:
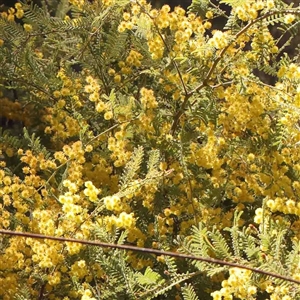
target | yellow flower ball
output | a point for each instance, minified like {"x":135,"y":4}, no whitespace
{"x":108,"y":115}
{"x":117,"y":79}
{"x":27,"y":27}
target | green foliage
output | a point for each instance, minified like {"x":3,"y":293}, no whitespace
{"x":233,"y":3}
{"x":133,"y":166}
{"x":199,"y":6}
{"x":24,"y":294}
{"x":34,"y":143}
{"x":189,"y":293}
{"x":144,"y":127}
{"x":7,"y":138}
{"x":247,"y":242}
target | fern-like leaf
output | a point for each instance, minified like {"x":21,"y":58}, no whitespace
{"x":188,"y":293}
{"x":220,"y":245}
{"x":153,"y":162}
{"x":171,"y":264}
{"x":132,"y":166}
{"x":35,"y":143}
{"x":9,"y":139}
{"x":199,"y":6}
{"x":149,"y":278}
{"x":23,"y":294}
{"x":233,"y":3}
{"x":115,"y":43}
{"x":235,"y":234}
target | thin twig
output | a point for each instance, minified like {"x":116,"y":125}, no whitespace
{"x":149,"y":250}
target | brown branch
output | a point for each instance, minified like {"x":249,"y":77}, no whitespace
{"x":181,"y":110}
{"x":149,"y":250}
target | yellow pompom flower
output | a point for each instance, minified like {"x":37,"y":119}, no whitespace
{"x":27,"y":27}
{"x":108,"y":115}
{"x":288,"y":19}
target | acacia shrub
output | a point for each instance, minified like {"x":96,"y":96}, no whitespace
{"x":164,"y":138}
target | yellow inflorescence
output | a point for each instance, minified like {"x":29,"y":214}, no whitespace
{"x":237,"y":285}
{"x":92,"y":126}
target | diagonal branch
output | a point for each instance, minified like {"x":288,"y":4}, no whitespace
{"x":149,"y":250}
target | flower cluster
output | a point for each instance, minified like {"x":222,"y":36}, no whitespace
{"x":237,"y":285}
{"x":77,"y":3}
{"x":249,"y":10}
{"x":61,"y":124}
{"x":112,"y":203}
{"x":13,"y":12}
{"x":134,"y":58}
{"x":14,"y":111}
{"x":216,"y":142}
{"x":148,"y":99}
{"x":156,"y":46}
{"x":91,"y":191}
{"x":124,"y":220}
{"x":119,"y":148}
{"x":219,"y":40}
{"x":292,"y":72}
